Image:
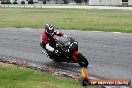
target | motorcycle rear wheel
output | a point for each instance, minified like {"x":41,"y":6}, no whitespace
{"x":82,"y":61}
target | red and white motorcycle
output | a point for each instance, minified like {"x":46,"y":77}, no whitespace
{"x":67,"y":48}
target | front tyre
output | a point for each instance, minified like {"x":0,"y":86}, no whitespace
{"x":82,"y":61}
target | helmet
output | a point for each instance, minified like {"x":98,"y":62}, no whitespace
{"x":49,"y":29}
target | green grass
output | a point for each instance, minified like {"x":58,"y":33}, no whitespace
{"x":16,"y":77}
{"x":78,"y":19}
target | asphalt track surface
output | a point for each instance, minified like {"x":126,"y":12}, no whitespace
{"x":109,"y":54}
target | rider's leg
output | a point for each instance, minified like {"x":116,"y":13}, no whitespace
{"x":48,"y":53}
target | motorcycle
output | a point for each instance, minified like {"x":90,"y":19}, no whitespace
{"x":67,"y":51}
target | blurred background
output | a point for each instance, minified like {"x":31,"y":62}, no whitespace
{"x":72,"y":2}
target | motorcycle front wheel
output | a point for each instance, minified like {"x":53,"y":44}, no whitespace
{"x":82,"y":61}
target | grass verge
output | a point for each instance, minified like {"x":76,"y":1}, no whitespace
{"x":17,"y":77}
{"x":79,"y":19}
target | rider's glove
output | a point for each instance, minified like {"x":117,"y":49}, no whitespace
{"x":65,"y":36}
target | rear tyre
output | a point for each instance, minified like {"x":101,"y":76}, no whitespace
{"x":82,"y":61}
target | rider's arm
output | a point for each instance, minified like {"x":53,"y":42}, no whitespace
{"x":59,"y":33}
{"x":44,"y":38}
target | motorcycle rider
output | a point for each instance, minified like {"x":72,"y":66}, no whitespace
{"x":47,"y":40}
